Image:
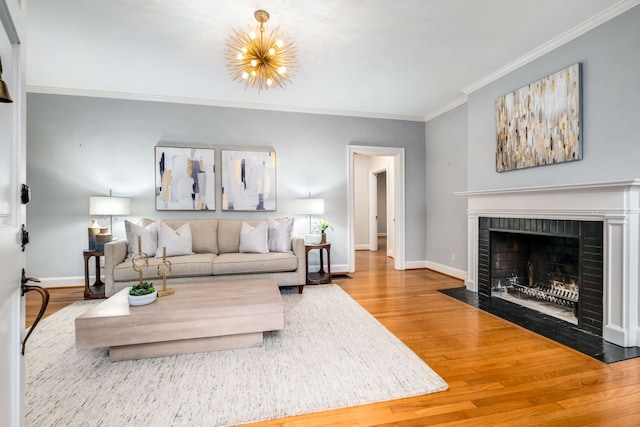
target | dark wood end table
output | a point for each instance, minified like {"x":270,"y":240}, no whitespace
{"x":320,"y":276}
{"x":95,"y":291}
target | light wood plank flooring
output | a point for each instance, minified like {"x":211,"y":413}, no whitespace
{"x":498,"y":374}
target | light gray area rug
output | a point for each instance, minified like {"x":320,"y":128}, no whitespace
{"x":331,"y":354}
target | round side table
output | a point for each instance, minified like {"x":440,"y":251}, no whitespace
{"x":96,"y":290}
{"x":320,"y":276}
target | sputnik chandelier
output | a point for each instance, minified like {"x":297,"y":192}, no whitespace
{"x":259,"y":58}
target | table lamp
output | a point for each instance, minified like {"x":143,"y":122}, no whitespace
{"x":310,"y":207}
{"x":108,"y":207}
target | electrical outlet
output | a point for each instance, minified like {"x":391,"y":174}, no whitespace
{"x":453,"y":256}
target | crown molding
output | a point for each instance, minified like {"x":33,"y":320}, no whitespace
{"x":610,"y":13}
{"x":445,"y":108}
{"x":214,"y":103}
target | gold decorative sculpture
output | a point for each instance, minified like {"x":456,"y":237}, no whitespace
{"x":140,"y":260}
{"x":164,"y":269}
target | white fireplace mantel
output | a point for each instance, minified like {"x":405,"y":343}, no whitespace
{"x":616,"y":204}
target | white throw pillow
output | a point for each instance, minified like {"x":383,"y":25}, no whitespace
{"x":148,"y":235}
{"x":254,"y":239}
{"x":177,"y":242}
{"x":279,"y":235}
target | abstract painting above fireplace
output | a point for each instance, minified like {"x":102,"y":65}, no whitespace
{"x":540,"y":124}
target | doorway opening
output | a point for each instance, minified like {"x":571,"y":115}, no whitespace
{"x":366,"y":166}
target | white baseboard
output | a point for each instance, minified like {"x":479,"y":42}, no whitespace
{"x":445,"y":269}
{"x":339,"y":268}
{"x":413,"y":265}
{"x":362,"y":247}
{"x":64,"y":282}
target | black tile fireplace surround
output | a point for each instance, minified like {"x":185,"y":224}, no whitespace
{"x":561,"y":249}
{"x":548,"y":326}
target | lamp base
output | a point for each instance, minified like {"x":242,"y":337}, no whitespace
{"x":313,"y":239}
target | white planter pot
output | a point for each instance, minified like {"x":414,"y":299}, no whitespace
{"x":142,"y":299}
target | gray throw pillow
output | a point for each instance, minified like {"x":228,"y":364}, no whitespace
{"x":148,"y":235}
{"x":279,"y":235}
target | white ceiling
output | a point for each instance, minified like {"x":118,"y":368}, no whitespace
{"x":380,"y":58}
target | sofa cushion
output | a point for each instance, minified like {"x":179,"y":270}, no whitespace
{"x":229,"y":234}
{"x":237,"y":263}
{"x":181,"y":266}
{"x":204,"y":234}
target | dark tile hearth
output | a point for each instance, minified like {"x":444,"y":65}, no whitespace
{"x":548,"y":326}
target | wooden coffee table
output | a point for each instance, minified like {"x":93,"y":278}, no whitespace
{"x":197,"y":318}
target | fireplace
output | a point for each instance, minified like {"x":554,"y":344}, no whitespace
{"x":601,"y":220}
{"x":551,"y":266}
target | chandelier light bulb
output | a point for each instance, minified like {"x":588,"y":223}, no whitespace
{"x":260,"y":56}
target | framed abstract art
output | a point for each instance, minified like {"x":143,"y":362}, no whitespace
{"x":185,"y":178}
{"x":541,"y":123}
{"x":248,"y":180}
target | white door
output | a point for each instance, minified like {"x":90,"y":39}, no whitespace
{"x":12,"y":214}
{"x":373,"y":211}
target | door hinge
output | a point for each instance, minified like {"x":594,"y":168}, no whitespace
{"x":25,"y":194}
{"x":24,"y":237}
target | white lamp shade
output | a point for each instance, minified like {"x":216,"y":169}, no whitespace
{"x":109,"y":206}
{"x":310,"y":206}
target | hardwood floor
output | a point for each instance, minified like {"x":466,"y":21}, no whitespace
{"x":498,"y":374}
{"x":59,"y":299}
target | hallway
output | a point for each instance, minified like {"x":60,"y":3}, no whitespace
{"x":371,"y":261}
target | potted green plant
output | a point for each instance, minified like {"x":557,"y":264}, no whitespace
{"x":141,"y":294}
{"x":322,"y":225}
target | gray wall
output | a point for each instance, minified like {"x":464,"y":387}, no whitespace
{"x":446,"y":165}
{"x":610,"y":57}
{"x":79,"y":147}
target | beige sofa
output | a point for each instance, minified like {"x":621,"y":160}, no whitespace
{"x":215,"y":257}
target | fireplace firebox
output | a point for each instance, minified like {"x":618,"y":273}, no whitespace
{"x":552,"y":266}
